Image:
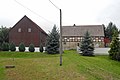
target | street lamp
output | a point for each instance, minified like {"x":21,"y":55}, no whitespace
{"x":60,"y":50}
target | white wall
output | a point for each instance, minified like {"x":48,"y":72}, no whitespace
{"x":97,"y":51}
{"x":100,"y":51}
{"x":27,"y":49}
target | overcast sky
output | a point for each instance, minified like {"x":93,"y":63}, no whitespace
{"x":43,"y":13}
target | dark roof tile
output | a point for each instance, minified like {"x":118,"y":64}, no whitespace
{"x":94,"y":30}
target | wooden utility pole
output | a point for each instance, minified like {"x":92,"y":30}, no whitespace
{"x":61,"y":50}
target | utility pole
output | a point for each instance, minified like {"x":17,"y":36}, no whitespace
{"x":60,"y":50}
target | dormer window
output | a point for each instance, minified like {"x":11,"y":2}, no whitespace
{"x":19,"y":30}
{"x":29,"y":29}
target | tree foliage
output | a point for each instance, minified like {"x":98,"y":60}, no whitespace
{"x":87,"y":47}
{"x":52,"y":45}
{"x":21,"y":47}
{"x":12,"y":47}
{"x":31,"y":48}
{"x":4,"y":33}
{"x":5,"y":46}
{"x":114,"y":51}
{"x":41,"y":48}
{"x":109,"y":31}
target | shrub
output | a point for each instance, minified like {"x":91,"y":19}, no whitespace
{"x":5,"y":46}
{"x":31,"y":48}
{"x":0,"y":46}
{"x":41,"y":48}
{"x":12,"y":47}
{"x":21,"y":47}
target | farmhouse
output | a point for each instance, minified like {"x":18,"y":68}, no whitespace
{"x":73,"y":35}
{"x":26,"y":31}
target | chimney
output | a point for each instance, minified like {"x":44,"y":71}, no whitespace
{"x":74,"y":25}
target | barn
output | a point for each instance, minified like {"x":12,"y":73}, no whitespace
{"x":27,"y":31}
{"x":72,"y":36}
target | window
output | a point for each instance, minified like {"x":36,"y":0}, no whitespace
{"x":64,"y":43}
{"x":65,"y":39}
{"x":19,"y":30}
{"x":73,"y":39}
{"x":99,"y":40}
{"x":29,"y":29}
{"x":68,"y":40}
{"x":78,"y":44}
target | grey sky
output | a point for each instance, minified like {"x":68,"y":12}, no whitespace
{"x":79,"y":12}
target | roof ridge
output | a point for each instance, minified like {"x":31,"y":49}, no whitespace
{"x":82,"y":25}
{"x":31,"y":21}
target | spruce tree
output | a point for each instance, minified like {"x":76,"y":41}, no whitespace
{"x":109,"y":31}
{"x":12,"y":47}
{"x":114,"y":51}
{"x":87,"y":47}
{"x":52,"y":45}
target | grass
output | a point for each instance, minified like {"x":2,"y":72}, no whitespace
{"x":41,"y":66}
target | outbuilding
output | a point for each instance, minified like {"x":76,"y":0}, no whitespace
{"x":27,"y":31}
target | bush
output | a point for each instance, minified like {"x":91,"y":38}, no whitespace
{"x":5,"y":46}
{"x":12,"y":47}
{"x":41,"y":48}
{"x":21,"y":47}
{"x":31,"y":48}
{"x":0,"y":46}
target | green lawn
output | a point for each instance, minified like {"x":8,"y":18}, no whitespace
{"x":41,"y":66}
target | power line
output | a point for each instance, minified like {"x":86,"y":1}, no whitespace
{"x":54,"y":4}
{"x":33,"y":11}
{"x":61,"y":48}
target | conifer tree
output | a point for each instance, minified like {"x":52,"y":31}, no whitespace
{"x":21,"y":47}
{"x":109,"y":32}
{"x":52,"y":45}
{"x":31,"y":48}
{"x":41,"y":48}
{"x":12,"y":46}
{"x":114,"y":51}
{"x":5,"y":46}
{"x":87,"y":47}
